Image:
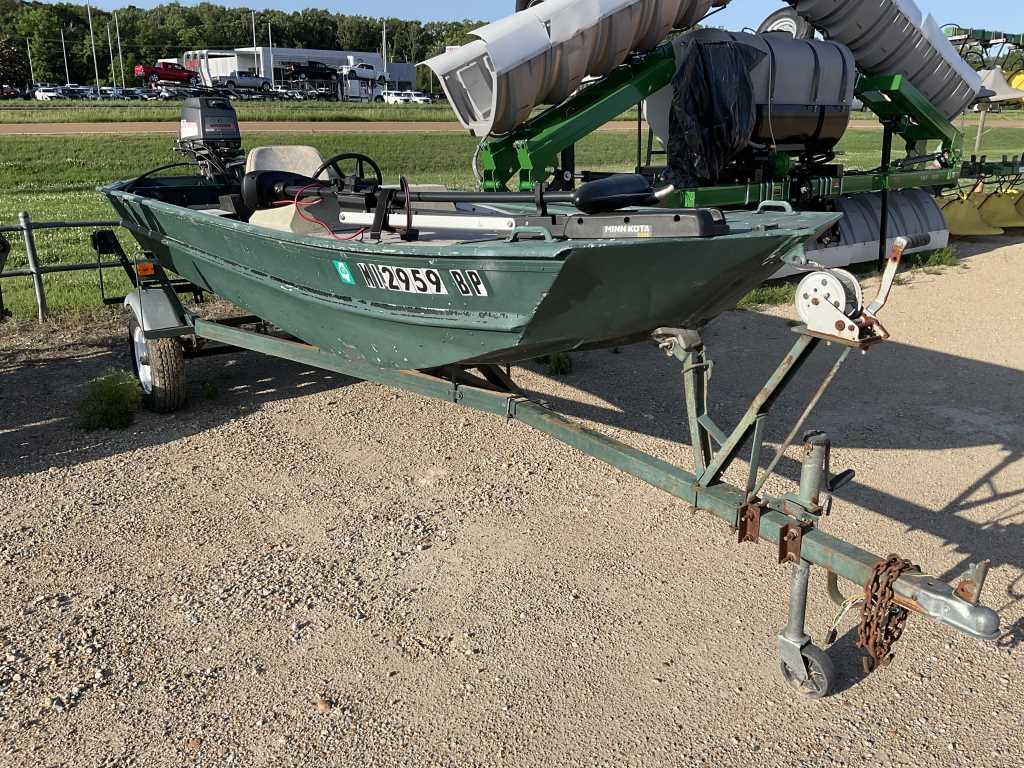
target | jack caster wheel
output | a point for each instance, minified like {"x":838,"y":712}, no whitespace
{"x":159,"y":365}
{"x":821,"y":674}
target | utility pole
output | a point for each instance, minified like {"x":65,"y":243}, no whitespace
{"x":270,"y":40}
{"x":120,"y":56}
{"x":384,"y":49}
{"x":92,"y":42}
{"x":110,"y":47}
{"x":259,"y":64}
{"x":31,"y":71}
{"x":67,"y":74}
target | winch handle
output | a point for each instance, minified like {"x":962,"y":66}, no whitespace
{"x":892,"y":264}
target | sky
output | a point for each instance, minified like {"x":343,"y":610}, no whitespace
{"x":1002,"y":15}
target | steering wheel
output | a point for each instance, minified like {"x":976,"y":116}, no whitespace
{"x":361,"y":161}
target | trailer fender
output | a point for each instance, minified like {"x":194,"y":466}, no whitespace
{"x":158,"y":312}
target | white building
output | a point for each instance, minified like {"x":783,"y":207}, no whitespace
{"x":263,"y":59}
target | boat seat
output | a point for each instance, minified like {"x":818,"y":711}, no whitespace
{"x":294,"y":158}
{"x":285,"y":218}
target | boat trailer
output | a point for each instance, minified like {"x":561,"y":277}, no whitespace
{"x":162,"y":334}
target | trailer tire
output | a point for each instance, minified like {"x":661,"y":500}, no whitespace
{"x":787,"y":20}
{"x":159,"y":365}
{"x":821,"y":673}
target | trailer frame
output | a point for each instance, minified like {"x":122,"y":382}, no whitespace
{"x":789,"y":522}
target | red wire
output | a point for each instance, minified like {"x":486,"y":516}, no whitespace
{"x":300,"y":204}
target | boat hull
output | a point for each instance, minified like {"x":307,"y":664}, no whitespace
{"x":534,"y":297}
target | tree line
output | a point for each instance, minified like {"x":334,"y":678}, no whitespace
{"x":169,"y":30}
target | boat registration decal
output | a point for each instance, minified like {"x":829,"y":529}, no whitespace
{"x":468,"y":281}
{"x":404,"y":279}
{"x":344,"y":273}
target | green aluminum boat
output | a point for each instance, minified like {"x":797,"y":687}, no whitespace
{"x":443,"y":298}
{"x":421,"y":278}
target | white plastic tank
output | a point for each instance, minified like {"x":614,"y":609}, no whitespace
{"x":803,"y":90}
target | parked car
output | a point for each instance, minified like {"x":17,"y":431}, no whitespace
{"x":114,"y":93}
{"x":394,"y":97}
{"x":363,"y":71}
{"x":416,"y":97}
{"x":289,"y":93}
{"x":9,"y":92}
{"x":243,"y":80}
{"x":312,"y":70}
{"x":166,"y":72}
{"x":170,"y":93}
{"x":49,"y":93}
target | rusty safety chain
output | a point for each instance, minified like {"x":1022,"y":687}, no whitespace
{"x":881,"y":619}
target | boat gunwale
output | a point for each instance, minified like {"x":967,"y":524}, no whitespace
{"x":541,"y":249}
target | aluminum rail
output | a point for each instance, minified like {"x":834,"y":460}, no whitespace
{"x":918,"y":592}
{"x":35,"y":270}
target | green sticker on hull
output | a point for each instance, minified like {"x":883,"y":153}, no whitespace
{"x":344,"y":273}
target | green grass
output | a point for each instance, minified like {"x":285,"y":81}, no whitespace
{"x":931,"y":260}
{"x":111,"y":401}
{"x":54,"y":178}
{"x":260,"y":111}
{"x":770,"y":294}
{"x":313,"y":111}
{"x":1007,"y":113}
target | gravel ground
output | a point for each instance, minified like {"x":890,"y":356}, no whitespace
{"x":299,"y":569}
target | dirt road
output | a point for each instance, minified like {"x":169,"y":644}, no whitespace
{"x":300,"y":569}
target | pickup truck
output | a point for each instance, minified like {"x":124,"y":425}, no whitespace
{"x":416,"y":97}
{"x":312,"y":70}
{"x":167,"y":72}
{"x":395,"y":97}
{"x":362,"y":71}
{"x":243,"y":80}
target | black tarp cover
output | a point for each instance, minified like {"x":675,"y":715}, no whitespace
{"x":713,"y":112}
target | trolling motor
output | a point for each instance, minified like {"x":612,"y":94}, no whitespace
{"x":209,"y":134}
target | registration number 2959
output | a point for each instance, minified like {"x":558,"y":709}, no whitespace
{"x":404,"y":279}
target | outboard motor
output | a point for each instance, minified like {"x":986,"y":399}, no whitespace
{"x":209,"y":133}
